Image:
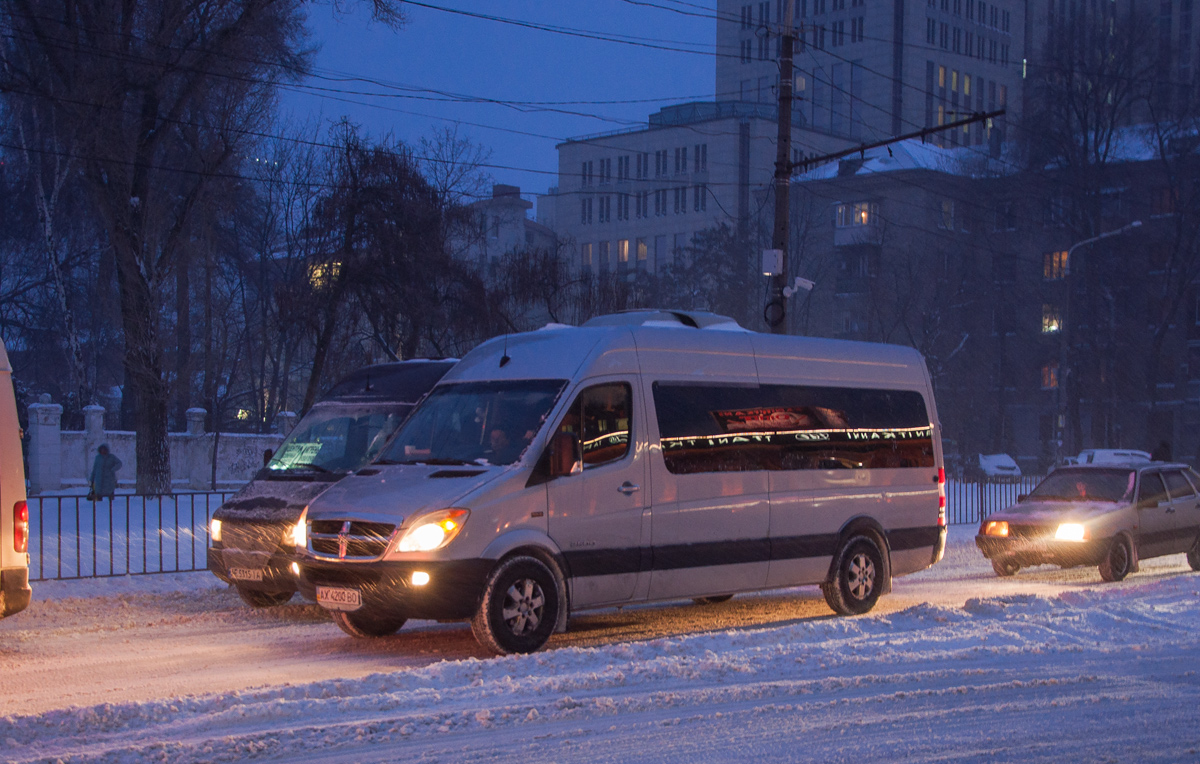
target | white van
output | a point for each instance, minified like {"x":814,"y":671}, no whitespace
{"x":14,"y":512}
{"x":251,"y":532}
{"x":641,"y":457}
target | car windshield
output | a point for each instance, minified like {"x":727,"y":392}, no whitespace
{"x":475,"y":423}
{"x":1086,"y":485}
{"x":337,"y":437}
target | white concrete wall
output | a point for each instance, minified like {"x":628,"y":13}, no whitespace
{"x":61,"y":460}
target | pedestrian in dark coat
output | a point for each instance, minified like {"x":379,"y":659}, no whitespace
{"x":103,"y":480}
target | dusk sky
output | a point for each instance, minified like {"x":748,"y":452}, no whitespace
{"x":482,"y":58}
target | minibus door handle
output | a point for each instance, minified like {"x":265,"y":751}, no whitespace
{"x":627,"y":488}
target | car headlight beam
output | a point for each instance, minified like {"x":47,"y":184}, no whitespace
{"x":298,"y":537}
{"x":432,"y":531}
{"x":1071,"y":532}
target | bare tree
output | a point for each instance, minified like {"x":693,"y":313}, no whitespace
{"x":155,"y":100}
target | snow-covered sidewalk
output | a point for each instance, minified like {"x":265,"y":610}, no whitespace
{"x":1069,"y":670}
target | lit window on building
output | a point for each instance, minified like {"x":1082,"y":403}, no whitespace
{"x":1051,"y":319}
{"x":1050,"y":376}
{"x":321,"y":275}
{"x":1054,"y":266}
{"x":857,"y":214}
{"x":623,"y":250}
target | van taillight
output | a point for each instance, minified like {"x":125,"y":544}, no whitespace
{"x":20,"y":526}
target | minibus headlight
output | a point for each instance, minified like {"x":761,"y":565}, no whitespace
{"x":1071,"y":532}
{"x":298,"y":537}
{"x":432,"y":531}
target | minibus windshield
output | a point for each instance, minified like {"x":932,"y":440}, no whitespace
{"x":475,"y":423}
{"x":337,"y":438}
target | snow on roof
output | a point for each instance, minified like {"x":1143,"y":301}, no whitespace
{"x":1135,"y":143}
{"x":911,"y":154}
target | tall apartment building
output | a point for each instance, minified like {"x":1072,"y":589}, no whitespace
{"x":871,"y":69}
{"x":864,"y":70}
{"x":634,"y":199}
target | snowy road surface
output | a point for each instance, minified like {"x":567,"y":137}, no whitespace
{"x":955,"y":665}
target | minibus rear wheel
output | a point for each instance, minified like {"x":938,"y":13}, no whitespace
{"x":363,"y":626}
{"x":519,"y":608}
{"x":857,"y":577}
{"x":258,"y":598}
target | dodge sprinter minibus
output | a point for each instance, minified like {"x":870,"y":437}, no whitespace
{"x":251,"y":532}
{"x":645,"y":456}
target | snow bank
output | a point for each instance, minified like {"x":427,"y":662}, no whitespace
{"x":1101,"y":673}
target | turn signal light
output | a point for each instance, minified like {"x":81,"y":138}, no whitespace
{"x":996,"y":528}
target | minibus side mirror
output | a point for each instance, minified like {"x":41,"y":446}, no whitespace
{"x":1022,"y":497}
{"x":564,"y":453}
{"x":267,"y":455}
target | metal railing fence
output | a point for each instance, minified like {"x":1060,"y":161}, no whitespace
{"x":72,"y":537}
{"x":970,"y":502}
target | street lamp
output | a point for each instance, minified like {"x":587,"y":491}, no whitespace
{"x":1064,"y":329}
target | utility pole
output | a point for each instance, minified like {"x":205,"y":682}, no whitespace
{"x":776,"y":312}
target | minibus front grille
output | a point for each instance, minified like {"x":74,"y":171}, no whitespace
{"x":349,"y":539}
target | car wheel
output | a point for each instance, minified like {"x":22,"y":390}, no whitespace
{"x":1005,"y":566}
{"x":1119,"y":560}
{"x":364,"y":626}
{"x":716,"y":600}
{"x":857,"y":578}
{"x":519,"y":607}
{"x":258,"y":598}
{"x":1193,"y":557}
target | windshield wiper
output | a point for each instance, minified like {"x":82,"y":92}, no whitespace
{"x":433,"y":461}
{"x":309,"y":466}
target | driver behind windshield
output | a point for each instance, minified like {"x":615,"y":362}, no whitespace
{"x":475,"y":423}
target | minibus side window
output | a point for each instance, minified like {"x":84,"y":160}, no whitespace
{"x":605,"y":412}
{"x":732,"y":428}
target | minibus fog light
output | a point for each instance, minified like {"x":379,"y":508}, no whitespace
{"x":420,"y":578}
{"x":996,"y":528}
{"x":214,"y":529}
{"x":433,"y":531}
{"x":295,"y":568}
{"x":1070,"y":532}
{"x":299,"y":532}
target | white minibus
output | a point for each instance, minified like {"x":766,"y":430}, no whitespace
{"x":644,"y":456}
{"x":14,"y":512}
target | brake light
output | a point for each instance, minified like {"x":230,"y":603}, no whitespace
{"x":20,"y":527}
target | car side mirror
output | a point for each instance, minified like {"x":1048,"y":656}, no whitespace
{"x":564,"y":454}
{"x":1022,"y":497}
{"x":267,"y":456}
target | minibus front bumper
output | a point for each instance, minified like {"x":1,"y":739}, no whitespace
{"x":15,"y":591}
{"x":452,"y":588}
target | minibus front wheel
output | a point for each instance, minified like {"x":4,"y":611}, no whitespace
{"x":857,"y":577}
{"x":519,"y":608}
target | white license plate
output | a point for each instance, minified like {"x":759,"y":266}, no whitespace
{"x":334,"y":598}
{"x":246,"y":574}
